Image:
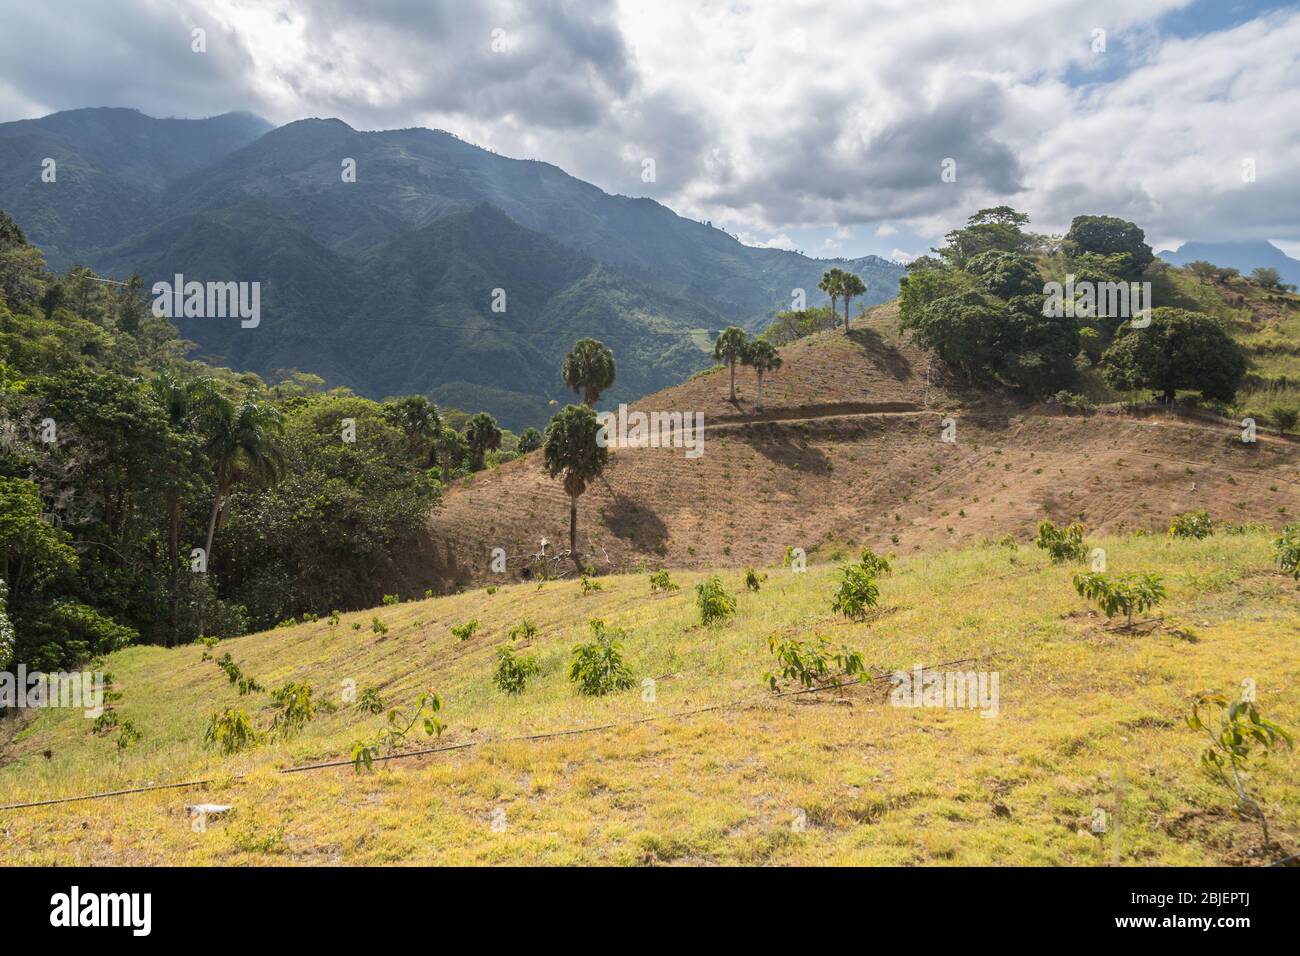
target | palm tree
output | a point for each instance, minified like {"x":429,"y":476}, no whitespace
{"x":589,"y":369}
{"x":185,"y":402}
{"x":482,"y":435}
{"x":570,"y":448}
{"x":530,"y":439}
{"x":419,"y":421}
{"x":451,"y":449}
{"x":763,"y":356}
{"x":830,"y":284}
{"x":850,"y":285}
{"x":241,"y":446}
{"x":729,"y":349}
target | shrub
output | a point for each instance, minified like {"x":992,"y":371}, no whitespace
{"x":714,"y":602}
{"x":1062,"y":544}
{"x":873,"y":563}
{"x":334,"y":619}
{"x":1235,"y":731}
{"x":378,"y":626}
{"x":1191,"y":524}
{"x":525,"y":629}
{"x":294,"y":708}
{"x":390,"y":600}
{"x":598,"y":666}
{"x":230,"y":731}
{"x":466,"y":631}
{"x":399,"y":725}
{"x":659,"y":581}
{"x":1285,"y":418}
{"x":856,"y":594}
{"x":128,"y":734}
{"x":753,"y":580}
{"x":513,"y":671}
{"x":244,"y":682}
{"x":370,"y":702}
{"x":1126,"y":594}
{"x":809,"y":662}
{"x":587,"y":584}
{"x":1287,"y":547}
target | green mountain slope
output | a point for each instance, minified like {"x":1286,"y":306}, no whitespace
{"x":385,"y":284}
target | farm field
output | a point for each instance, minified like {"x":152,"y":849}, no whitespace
{"x":714,"y":768}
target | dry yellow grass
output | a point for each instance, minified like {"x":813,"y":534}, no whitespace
{"x":1089,"y":718}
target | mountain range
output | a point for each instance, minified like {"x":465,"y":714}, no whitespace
{"x":441,"y":268}
{"x":1243,"y":256}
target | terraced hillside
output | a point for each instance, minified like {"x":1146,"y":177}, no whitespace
{"x":849,"y":451}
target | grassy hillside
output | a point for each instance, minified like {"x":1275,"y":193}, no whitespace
{"x":1089,"y":717}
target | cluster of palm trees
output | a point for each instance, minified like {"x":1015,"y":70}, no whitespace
{"x":733,"y":347}
{"x":839,"y":284}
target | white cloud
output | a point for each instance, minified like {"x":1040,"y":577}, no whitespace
{"x":743,"y":128}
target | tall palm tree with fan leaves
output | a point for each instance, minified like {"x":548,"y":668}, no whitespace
{"x":831,"y":284}
{"x":589,"y":370}
{"x":763,"y":357}
{"x":730,"y":349}
{"x":570,"y":449}
{"x":850,"y":285}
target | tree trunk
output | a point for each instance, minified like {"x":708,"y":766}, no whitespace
{"x":732,"y":363}
{"x":846,"y":315}
{"x":212,"y":526}
{"x":758,"y":404}
{"x":573,"y":529}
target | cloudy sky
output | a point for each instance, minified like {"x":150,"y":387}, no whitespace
{"x":808,"y":124}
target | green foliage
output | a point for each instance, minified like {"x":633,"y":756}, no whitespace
{"x":754,"y":580}
{"x":873,"y":563}
{"x":1179,"y":350}
{"x":525,"y":629}
{"x":370,"y":702}
{"x":597,"y":667}
{"x":128,"y":734}
{"x":589,"y":370}
{"x":570,"y":449}
{"x":530,"y":439}
{"x":1062,"y":544}
{"x":1236,"y":731}
{"x":513,"y":670}
{"x":810,"y":662}
{"x":294,"y":708}
{"x":1285,"y":417}
{"x":1110,"y":236}
{"x":729,"y":349}
{"x":466,"y":630}
{"x":399,"y":723}
{"x":377,"y":626}
{"x":660,"y":581}
{"x":995,"y":229}
{"x":390,"y":600}
{"x":587,"y":584}
{"x":230,"y":731}
{"x":1126,"y":594}
{"x":1191,"y":524}
{"x":988,"y":322}
{"x":857,"y":592}
{"x":715,"y":604}
{"x":236,"y":676}
{"x":1287,"y":549}
{"x":482,"y":435}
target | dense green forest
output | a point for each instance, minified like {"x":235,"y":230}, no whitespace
{"x":148,"y":497}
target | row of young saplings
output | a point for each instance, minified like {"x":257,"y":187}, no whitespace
{"x":1235,"y":729}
